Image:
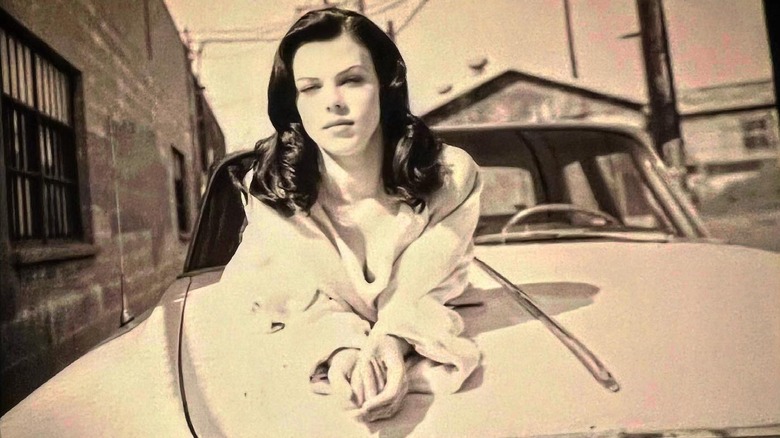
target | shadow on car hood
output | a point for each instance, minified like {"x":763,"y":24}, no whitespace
{"x":690,"y":331}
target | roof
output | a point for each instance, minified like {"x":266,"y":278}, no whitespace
{"x":725,"y":98}
{"x":488,"y":84}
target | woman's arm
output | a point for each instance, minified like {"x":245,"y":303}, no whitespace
{"x":272,"y":273}
{"x":432,"y":270}
{"x":440,"y":250}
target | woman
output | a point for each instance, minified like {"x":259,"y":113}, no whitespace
{"x":375,"y":215}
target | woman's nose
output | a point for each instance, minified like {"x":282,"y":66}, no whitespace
{"x":336,"y":101}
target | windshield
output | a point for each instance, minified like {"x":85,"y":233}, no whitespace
{"x":590,"y":172}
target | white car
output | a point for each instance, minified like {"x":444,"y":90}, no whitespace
{"x":599,"y":303}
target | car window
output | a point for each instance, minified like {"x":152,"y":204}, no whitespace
{"x":222,"y":218}
{"x":635,"y":203}
{"x":505,"y":190}
{"x":590,"y":170}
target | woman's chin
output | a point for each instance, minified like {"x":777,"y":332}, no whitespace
{"x":343,"y":147}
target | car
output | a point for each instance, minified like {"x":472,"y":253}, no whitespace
{"x":599,"y":302}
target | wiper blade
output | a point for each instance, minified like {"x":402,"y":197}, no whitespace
{"x":585,"y":356}
{"x":627,"y":236}
{"x":623,"y":236}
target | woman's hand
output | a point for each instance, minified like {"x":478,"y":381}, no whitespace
{"x":341,"y":366}
{"x":378,"y":378}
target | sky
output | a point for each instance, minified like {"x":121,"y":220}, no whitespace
{"x":711,"y":42}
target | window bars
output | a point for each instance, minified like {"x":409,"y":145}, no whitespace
{"x":38,"y":144}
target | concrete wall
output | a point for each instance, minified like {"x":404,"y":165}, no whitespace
{"x":135,"y":98}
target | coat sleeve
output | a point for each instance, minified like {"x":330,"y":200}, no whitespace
{"x":431,"y":271}
{"x":287,"y":295}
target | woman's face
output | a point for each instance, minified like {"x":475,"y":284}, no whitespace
{"x":338,"y":95}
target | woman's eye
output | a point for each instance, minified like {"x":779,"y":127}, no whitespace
{"x":307,"y":88}
{"x":353,"y":80}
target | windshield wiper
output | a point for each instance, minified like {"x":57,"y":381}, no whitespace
{"x":579,"y":233}
{"x":585,"y":356}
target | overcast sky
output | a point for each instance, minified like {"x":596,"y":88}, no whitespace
{"x":712,"y":42}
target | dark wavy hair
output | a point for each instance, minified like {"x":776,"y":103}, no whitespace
{"x":287,"y":168}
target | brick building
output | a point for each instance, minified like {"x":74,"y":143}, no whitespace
{"x":107,"y":141}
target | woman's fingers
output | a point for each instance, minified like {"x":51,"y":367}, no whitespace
{"x":369,"y":384}
{"x":379,"y":373}
{"x":356,"y":383}
{"x":364,"y":383}
{"x":340,"y":388}
{"x":387,"y":402}
{"x":341,"y":367}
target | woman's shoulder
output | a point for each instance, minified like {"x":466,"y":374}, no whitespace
{"x":455,"y":156}
{"x":460,"y":170}
{"x":460,"y":180}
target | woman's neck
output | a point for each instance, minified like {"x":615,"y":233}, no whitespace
{"x":355,"y":177}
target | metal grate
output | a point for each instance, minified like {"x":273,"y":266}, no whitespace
{"x":38,"y":143}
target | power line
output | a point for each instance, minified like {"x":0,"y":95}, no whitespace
{"x":273,"y":32}
{"x":392,"y":4}
{"x":278,"y":28}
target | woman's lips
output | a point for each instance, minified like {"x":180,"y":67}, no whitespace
{"x":340,"y":122}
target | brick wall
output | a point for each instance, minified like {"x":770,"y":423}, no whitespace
{"x":134,"y":103}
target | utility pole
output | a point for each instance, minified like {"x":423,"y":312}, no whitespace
{"x":772,"y":16}
{"x":570,"y":37}
{"x":664,"y":123}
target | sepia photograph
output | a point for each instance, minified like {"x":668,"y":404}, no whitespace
{"x":389,"y":218}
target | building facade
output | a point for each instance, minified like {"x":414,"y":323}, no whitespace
{"x":107,"y":141}
{"x":729,"y":126}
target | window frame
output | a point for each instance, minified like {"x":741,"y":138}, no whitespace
{"x":47,"y":248}
{"x":757,"y":135}
{"x":180,"y":188}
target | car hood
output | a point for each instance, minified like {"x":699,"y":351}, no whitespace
{"x":691,"y":332}
{"x":128,"y":386}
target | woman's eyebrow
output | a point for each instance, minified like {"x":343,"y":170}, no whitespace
{"x":352,"y":69}
{"x":347,"y":70}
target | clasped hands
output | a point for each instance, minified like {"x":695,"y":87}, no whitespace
{"x":372,"y":380}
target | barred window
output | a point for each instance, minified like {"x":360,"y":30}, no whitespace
{"x":38,"y":143}
{"x":179,"y":186}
